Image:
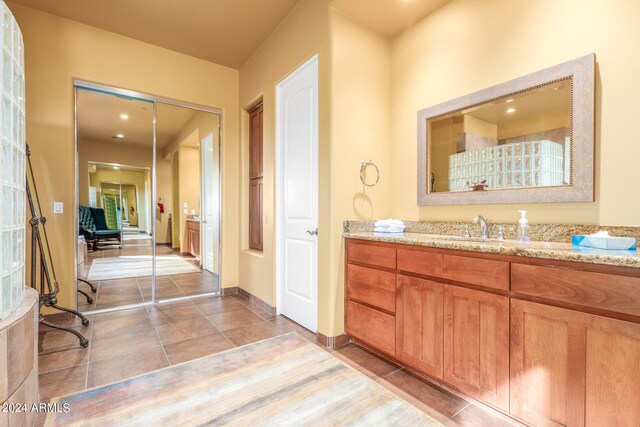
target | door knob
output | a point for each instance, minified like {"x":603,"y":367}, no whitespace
{"x":313,"y":233}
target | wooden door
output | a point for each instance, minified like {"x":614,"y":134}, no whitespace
{"x":476,"y":344}
{"x":419,"y":324}
{"x":255,"y":142}
{"x":547,"y":364}
{"x":574,"y":369}
{"x":255,"y":214}
{"x":612,"y":373}
{"x":256,"y":201}
{"x":193,"y":237}
{"x":297,"y":195}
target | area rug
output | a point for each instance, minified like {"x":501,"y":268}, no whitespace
{"x":137,"y":266}
{"x":282,"y":381}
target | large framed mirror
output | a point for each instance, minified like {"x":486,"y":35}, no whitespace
{"x":527,"y":140}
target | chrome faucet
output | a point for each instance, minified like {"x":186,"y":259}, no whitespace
{"x":484,"y":232}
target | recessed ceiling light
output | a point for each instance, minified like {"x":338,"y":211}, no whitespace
{"x":509,"y":100}
{"x":511,"y":110}
{"x":118,"y":136}
{"x":124,"y":116}
{"x":116,"y":167}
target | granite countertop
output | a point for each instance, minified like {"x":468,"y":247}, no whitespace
{"x":535,"y":249}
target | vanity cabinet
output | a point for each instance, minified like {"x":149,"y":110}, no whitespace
{"x":193,"y":238}
{"x":572,"y":368}
{"x":547,"y":342}
{"x":370,"y":297}
{"x":476,"y":344}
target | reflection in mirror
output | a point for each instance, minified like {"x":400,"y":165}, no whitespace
{"x":188,"y":186}
{"x":115,"y":222}
{"x":518,"y":141}
{"x":526,"y":140}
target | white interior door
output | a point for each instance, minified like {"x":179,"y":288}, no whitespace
{"x":209,"y":214}
{"x":297,"y":195}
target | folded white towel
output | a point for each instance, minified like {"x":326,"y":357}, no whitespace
{"x":388,"y":229}
{"x":389,"y":234}
{"x":390,"y":226}
{"x":389,"y":222}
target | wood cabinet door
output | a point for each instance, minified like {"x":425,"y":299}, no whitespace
{"x":194,"y":242}
{"x":373,"y":327}
{"x":574,"y":369}
{"x":547,"y":364}
{"x":476,"y":344}
{"x":255,"y":142}
{"x":419,"y":324}
{"x":255,"y":214}
{"x":612,"y":382}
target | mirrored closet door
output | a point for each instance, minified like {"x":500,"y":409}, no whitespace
{"x":148,"y":194}
{"x":188,"y":147}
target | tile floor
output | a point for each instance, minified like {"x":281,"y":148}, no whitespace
{"x":132,"y":342}
{"x":113,"y":293}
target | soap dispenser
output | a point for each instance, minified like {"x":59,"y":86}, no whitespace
{"x":522,"y":227}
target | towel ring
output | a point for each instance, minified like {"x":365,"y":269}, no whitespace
{"x":363,"y":172}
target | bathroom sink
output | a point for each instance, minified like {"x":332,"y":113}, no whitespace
{"x":464,"y":239}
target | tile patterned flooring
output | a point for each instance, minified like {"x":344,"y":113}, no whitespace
{"x":112,"y":293}
{"x":127,"y":343}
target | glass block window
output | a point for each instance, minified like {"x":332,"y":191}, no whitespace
{"x":12,"y":165}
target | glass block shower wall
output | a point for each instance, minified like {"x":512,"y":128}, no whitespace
{"x":12,"y":166}
{"x":519,"y":164}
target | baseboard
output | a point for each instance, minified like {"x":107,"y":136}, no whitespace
{"x":333,"y":342}
{"x":254,"y":299}
{"x":233,"y":290}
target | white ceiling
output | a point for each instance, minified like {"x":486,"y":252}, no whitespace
{"x":99,"y":120}
{"x":547,"y":104}
{"x":226,"y":32}
{"x":387,"y":17}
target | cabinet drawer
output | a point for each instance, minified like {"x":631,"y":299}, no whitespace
{"x":371,"y":326}
{"x":379,"y":256}
{"x":475,"y":271}
{"x":373,"y":287}
{"x":598,"y":290}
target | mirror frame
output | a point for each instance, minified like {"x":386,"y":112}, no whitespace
{"x":581,"y":71}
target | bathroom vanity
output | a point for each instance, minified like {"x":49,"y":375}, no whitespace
{"x":540,"y":332}
{"x":193,"y":237}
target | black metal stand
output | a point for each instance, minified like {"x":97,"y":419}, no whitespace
{"x":40,"y":243}
{"x":93,"y":288}
{"x":86,"y":295}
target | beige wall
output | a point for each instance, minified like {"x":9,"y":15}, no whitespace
{"x":56,"y":51}
{"x":189,"y":185}
{"x":460,"y":48}
{"x":129,"y":156}
{"x":141,"y":179}
{"x":188,"y":180}
{"x":354,"y":114}
{"x":175,"y":204}
{"x":301,"y":35}
{"x":360,"y":100}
